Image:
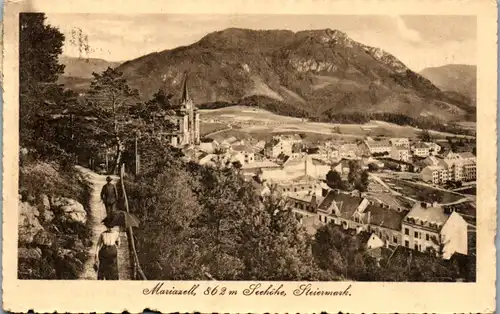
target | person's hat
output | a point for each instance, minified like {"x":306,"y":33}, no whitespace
{"x":109,"y":179}
{"x":107,"y":222}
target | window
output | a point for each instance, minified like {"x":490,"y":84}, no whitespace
{"x":416,"y":234}
{"x":407,"y":231}
{"x":416,"y":247}
{"x":407,"y":244}
{"x":427,"y":237}
{"x":394,"y":239}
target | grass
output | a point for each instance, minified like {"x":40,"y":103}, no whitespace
{"x":255,"y":120}
{"x":210,"y":127}
{"x":421,"y":192}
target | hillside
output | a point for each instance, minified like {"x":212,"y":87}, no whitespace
{"x":78,"y":71}
{"x":83,"y":67}
{"x":459,"y":78}
{"x":313,"y":73}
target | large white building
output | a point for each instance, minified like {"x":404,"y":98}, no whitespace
{"x":429,"y":226}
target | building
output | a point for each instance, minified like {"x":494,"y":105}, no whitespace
{"x":421,"y":150}
{"x":434,"y":148}
{"x":400,"y":141}
{"x":300,"y":164}
{"x":348,"y":150}
{"x":453,"y":167}
{"x":247,"y":150}
{"x":278,"y":146}
{"x":435,"y":174}
{"x":431,"y":227}
{"x":378,"y":147}
{"x":400,"y":153}
{"x":186,"y":120}
{"x":385,"y":223}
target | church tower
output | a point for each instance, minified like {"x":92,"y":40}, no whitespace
{"x":192,"y":118}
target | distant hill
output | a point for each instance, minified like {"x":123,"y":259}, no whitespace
{"x":459,"y":78}
{"x":318,"y":73}
{"x":83,"y":67}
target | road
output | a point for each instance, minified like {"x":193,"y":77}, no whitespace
{"x":97,"y":214}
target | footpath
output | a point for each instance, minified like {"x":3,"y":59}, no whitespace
{"x":96,"y":215}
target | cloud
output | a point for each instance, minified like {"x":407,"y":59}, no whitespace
{"x":406,"y":32}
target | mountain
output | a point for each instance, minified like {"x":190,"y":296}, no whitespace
{"x":319,"y":72}
{"x":83,"y":67}
{"x":459,"y":78}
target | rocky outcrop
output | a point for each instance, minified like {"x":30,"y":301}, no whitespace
{"x":50,"y":247}
{"x":69,"y":210}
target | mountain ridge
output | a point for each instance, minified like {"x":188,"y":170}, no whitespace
{"x":315,"y":71}
{"x":459,"y":78}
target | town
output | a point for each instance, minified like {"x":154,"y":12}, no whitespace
{"x":407,"y":193}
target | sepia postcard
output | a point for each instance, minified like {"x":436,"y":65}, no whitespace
{"x":249,"y":156}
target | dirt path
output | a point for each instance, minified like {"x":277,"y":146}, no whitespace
{"x":97,"y":214}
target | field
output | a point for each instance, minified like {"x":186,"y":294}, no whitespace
{"x":421,"y":192}
{"x":207,"y":127}
{"x":256,"y":122}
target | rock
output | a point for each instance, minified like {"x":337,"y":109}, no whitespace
{"x":32,"y":253}
{"x":44,"y":238}
{"x":45,"y":202}
{"x":28,"y":224}
{"x":69,"y":210}
{"x":78,"y":246}
{"x":47,"y":216}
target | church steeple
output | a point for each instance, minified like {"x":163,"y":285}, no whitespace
{"x":185,"y":94}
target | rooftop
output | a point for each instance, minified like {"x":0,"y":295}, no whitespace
{"x":261,"y":164}
{"x":347,"y":204}
{"x":385,"y":217}
{"x":431,"y":214}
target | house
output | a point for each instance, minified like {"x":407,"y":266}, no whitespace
{"x":303,"y":204}
{"x":208,"y":146}
{"x":278,"y":146}
{"x":268,"y":169}
{"x":400,"y":141}
{"x":259,"y":146}
{"x":378,"y":147}
{"x":434,"y":148}
{"x":300,"y":164}
{"x":247,"y":150}
{"x":431,"y":227}
{"x":374,"y":242}
{"x":348,"y":150}
{"x":421,"y":150}
{"x":434,"y":174}
{"x":453,"y":167}
{"x":304,"y":184}
{"x":399,"y":153}
{"x":385,"y":223}
{"x":340,"y":207}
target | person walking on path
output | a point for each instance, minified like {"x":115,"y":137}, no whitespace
{"x":106,"y":261}
{"x":109,"y":196}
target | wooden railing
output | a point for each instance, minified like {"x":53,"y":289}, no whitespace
{"x":136,"y":269}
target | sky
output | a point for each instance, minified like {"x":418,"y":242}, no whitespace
{"x":419,"y":41}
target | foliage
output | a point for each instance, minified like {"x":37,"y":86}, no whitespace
{"x":357,"y":177}
{"x":111,"y":99}
{"x":202,"y":222}
{"x":425,"y":136}
{"x":334,"y":180}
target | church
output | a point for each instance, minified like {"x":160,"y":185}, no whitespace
{"x":186,"y":119}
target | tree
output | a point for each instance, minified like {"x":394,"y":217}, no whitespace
{"x":334,"y":180}
{"x":112,"y":98}
{"x":373,"y":167}
{"x":39,"y":48}
{"x":425,"y":135}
